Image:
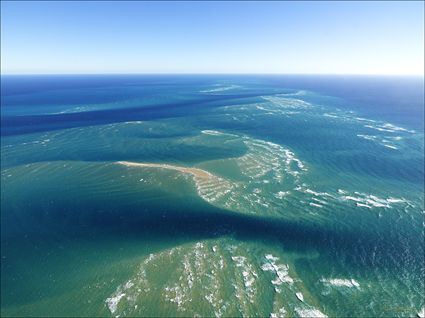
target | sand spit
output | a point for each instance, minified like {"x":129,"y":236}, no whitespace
{"x":193,"y":171}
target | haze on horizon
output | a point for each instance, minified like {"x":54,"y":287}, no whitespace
{"x":212,"y":37}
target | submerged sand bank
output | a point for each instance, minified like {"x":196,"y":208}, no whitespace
{"x":193,"y":171}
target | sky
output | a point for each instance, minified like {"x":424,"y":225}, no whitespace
{"x":359,"y":37}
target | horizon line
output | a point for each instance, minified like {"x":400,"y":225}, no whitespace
{"x":206,"y":73}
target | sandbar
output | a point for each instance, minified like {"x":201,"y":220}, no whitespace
{"x":193,"y":171}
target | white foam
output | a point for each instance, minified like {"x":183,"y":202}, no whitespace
{"x":396,"y":128}
{"x":134,"y":122}
{"x":379,"y":128}
{"x":239,"y":260}
{"x":348,"y":197}
{"x":287,"y":103}
{"x":363,"y":205}
{"x":383,"y":142}
{"x":376,"y":203}
{"x":212,"y":132}
{"x":249,"y":276}
{"x":280,"y":270}
{"x":271,"y":257}
{"x":339,"y":282}
{"x":365,"y":119}
{"x":267,"y":267}
{"x":314,"y":192}
{"x":264,"y":162}
{"x":387,"y":127}
{"x":176,"y":295}
{"x":299,"y":296}
{"x":310,"y":313}
{"x":330,"y":115}
{"x":282,"y":194}
{"x":421,"y":313}
{"x":355,"y":283}
{"x":370,"y":201}
{"x":221,"y":89}
{"x":390,"y":146}
{"x":367,"y":137}
{"x":213,"y":188}
{"x":112,"y":302}
{"x":281,"y":313}
{"x":395,"y":200}
{"x":297,"y":93}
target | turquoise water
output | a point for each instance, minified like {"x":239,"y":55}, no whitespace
{"x":258,"y":196}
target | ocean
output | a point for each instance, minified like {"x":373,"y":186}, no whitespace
{"x":212,"y":195}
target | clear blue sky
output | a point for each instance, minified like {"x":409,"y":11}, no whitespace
{"x":212,"y":37}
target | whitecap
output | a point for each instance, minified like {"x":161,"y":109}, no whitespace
{"x":271,"y":257}
{"x":220,"y":89}
{"x":211,"y":132}
{"x":310,"y":313}
{"x":299,"y":296}
{"x":279,"y":314}
{"x":340,"y":282}
{"x":390,"y":146}
{"x":363,"y":205}
{"x":282,"y":194}
{"x":112,"y":302}
{"x":367,"y":137}
{"x":330,"y":115}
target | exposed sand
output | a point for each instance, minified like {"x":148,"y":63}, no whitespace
{"x":193,"y":171}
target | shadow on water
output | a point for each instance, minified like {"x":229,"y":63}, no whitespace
{"x":100,"y":221}
{"x":16,"y":125}
{"x":192,"y":221}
